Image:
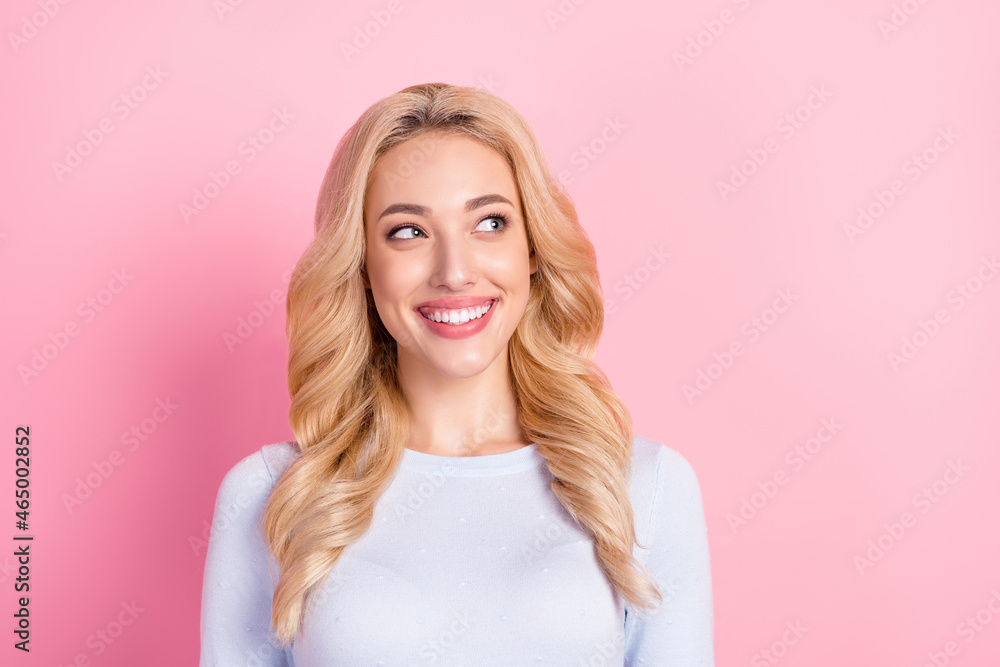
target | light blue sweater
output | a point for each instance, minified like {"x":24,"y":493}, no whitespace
{"x":469,"y":561}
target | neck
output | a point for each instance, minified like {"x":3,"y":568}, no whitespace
{"x":461,"y":416}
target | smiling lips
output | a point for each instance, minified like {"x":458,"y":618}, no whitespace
{"x":456,"y":311}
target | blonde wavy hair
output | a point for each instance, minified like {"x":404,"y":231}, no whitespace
{"x":347,"y":411}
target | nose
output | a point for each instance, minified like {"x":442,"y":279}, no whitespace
{"x":455,"y":265}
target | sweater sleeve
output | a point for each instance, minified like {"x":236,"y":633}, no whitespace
{"x":677,"y":633}
{"x":237,"y":589}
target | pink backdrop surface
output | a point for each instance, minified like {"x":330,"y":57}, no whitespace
{"x":795,"y":211}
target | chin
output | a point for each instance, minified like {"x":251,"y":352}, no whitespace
{"x":465,"y":369}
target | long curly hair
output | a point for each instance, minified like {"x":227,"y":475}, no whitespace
{"x":347,"y":411}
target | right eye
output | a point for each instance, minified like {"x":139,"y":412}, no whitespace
{"x":392,"y":233}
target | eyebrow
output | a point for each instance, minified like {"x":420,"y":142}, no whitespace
{"x":471,"y":205}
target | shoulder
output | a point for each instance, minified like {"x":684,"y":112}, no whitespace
{"x":242,"y":497}
{"x":673,"y":547}
{"x":278,"y":457}
{"x":240,"y":571}
{"x":664,"y":488}
{"x":254,"y":475}
{"x":655,"y":464}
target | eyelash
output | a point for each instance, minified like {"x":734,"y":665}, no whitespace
{"x":499,"y":216}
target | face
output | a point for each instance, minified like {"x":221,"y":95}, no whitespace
{"x":447,"y":238}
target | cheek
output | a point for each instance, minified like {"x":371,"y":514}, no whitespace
{"x":392,"y":282}
{"x":517,"y":269}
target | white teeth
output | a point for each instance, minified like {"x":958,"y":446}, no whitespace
{"x":460,"y":316}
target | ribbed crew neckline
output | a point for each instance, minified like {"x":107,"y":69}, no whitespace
{"x":524,"y":458}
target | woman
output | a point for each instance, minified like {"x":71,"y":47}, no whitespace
{"x":464,"y":487}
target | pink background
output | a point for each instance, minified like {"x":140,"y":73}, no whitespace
{"x":677,"y":128}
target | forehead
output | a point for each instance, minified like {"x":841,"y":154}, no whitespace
{"x":439,"y":168}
